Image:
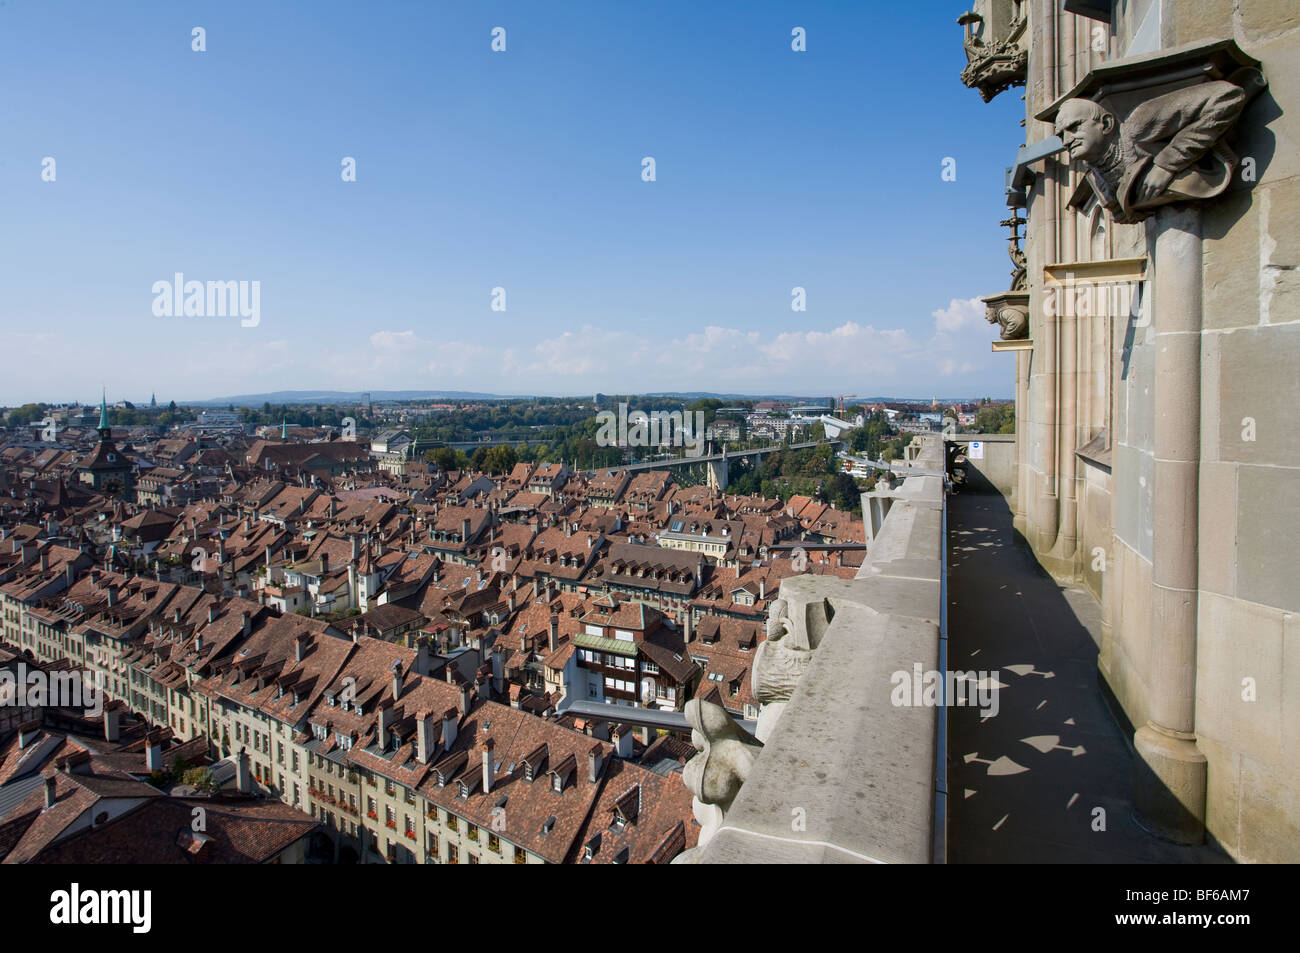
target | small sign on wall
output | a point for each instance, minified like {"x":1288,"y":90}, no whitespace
{"x":976,"y":450}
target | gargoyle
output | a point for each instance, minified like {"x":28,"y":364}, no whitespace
{"x":1167,"y":149}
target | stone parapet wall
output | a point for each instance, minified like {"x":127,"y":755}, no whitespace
{"x":846,"y":776}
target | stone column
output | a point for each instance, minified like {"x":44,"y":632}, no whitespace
{"x":1170,"y":779}
{"x":1024,"y":485}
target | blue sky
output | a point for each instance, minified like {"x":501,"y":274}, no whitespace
{"x":519,"y":170}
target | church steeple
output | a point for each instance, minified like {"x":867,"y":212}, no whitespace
{"x":284,"y":430}
{"x":104,"y":429}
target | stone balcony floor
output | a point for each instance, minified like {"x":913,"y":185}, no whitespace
{"x":1038,"y":806}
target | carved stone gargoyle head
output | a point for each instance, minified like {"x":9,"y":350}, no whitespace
{"x":1010,"y":311}
{"x":725,"y":754}
{"x":1152,"y":130}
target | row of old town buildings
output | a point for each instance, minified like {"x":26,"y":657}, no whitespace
{"x":371,"y":657}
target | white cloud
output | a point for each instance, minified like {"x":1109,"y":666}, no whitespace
{"x":714,"y":358}
{"x":961,"y":313}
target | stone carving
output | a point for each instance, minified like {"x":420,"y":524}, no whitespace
{"x":1169,"y":148}
{"x":794,"y":629}
{"x":1000,"y":63}
{"x":1018,"y":271}
{"x":725,"y":755}
{"x":725,"y":752}
{"x":1010,"y":311}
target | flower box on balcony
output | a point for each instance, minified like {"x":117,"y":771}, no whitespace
{"x":372,"y":815}
{"x":411,"y":835}
{"x":391,"y":825}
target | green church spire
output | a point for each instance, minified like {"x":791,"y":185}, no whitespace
{"x":103,"y":411}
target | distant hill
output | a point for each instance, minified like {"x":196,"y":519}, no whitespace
{"x":380,"y":396}
{"x":338,"y":397}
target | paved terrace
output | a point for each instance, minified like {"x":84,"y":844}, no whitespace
{"x":1024,"y":786}
{"x":848,"y":776}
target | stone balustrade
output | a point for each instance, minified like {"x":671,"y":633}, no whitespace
{"x":837,"y":772}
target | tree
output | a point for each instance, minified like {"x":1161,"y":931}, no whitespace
{"x":200,"y":779}
{"x":844,"y":493}
{"x":499,"y":460}
{"x":444,"y":458}
{"x":996,"y":418}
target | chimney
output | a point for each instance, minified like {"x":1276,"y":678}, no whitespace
{"x":623,"y":741}
{"x":69,"y":574}
{"x":688,"y":626}
{"x":112,"y":596}
{"x":482,"y":684}
{"x":489,"y":765}
{"x":356,"y":549}
{"x":396,"y":669}
{"x":299,"y":647}
{"x":45,"y":560}
{"x":422,"y":655}
{"x":212,"y":612}
{"x":243,"y":780}
{"x":424,"y":737}
{"x":498,"y":668}
{"x":78,"y":763}
{"x":27,"y":733}
{"x":593,"y":764}
{"x":247,"y":626}
{"x":112,"y":723}
{"x":324,"y":563}
{"x":465,"y":697}
{"x":553,"y":639}
{"x":49,"y":792}
{"x":762,"y":588}
{"x":268,"y":562}
{"x":449,"y":720}
{"x":198,"y":642}
{"x":385,"y":719}
{"x":153,"y":753}
{"x":464,"y":529}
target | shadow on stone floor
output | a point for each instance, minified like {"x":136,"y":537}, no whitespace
{"x":1037,"y":782}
